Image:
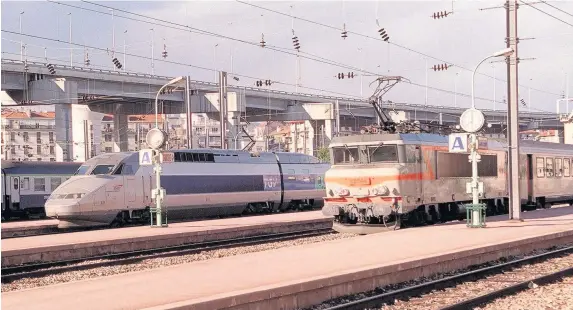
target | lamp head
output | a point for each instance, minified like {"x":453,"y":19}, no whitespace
{"x":175,"y":80}
{"x":504,"y":52}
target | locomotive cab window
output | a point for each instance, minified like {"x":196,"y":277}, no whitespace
{"x":345,"y":155}
{"x":383,"y":153}
{"x":102,"y":169}
{"x":540,"y":167}
{"x":558,"y":167}
{"x":549,"y":167}
{"x":82,"y":170}
{"x":566,"y":167}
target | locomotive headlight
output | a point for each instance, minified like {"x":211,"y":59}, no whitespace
{"x":381,"y":191}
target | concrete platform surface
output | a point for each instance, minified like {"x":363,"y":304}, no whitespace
{"x":300,"y":276}
{"x":25,"y":228}
{"x":89,"y":243}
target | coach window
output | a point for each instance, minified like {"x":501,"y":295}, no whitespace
{"x":102,"y":169}
{"x":25,"y":183}
{"x":558,"y":167}
{"x":540,"y":167}
{"x":383,"y":153}
{"x":549,"y":167}
{"x":39,"y":184}
{"x":55,"y":182}
{"x":566,"y":167}
{"x":412,"y":154}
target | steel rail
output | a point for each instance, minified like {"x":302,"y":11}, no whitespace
{"x":10,"y":274}
{"x":509,"y":290}
{"x":376,"y":300}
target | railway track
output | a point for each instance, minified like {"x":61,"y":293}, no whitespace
{"x":473,"y":288}
{"x":10,"y":274}
{"x":55,"y":230}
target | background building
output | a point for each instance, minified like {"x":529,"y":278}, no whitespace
{"x":28,"y":136}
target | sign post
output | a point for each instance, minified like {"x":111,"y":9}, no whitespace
{"x":156,"y":139}
{"x":472,"y":121}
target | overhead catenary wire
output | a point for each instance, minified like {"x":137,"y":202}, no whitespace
{"x":561,"y":10}
{"x":389,"y":42}
{"x":548,"y":14}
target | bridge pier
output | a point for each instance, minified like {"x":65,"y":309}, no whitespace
{"x":120,"y":126}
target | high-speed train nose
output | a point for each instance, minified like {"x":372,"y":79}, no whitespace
{"x":59,"y":209}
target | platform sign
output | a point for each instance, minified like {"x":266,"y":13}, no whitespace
{"x":167,"y":157}
{"x":458,"y":143}
{"x":146,"y":157}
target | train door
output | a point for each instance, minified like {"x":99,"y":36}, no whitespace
{"x":529,"y":172}
{"x":130,"y":189}
{"x":15,"y":193}
{"x":146,"y":193}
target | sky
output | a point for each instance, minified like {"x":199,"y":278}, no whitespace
{"x":462,"y":39}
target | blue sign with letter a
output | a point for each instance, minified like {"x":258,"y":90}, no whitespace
{"x":458,"y":143}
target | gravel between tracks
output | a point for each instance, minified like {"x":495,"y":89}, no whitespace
{"x":465,"y":290}
{"x":153,"y":263}
{"x":558,"y":296}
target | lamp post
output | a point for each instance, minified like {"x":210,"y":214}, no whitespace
{"x":21,"y":41}
{"x":156,"y":138}
{"x":472,"y":120}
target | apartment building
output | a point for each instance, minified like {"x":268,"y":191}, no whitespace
{"x":28,"y":136}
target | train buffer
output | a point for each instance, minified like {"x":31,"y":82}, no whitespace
{"x":475,"y":215}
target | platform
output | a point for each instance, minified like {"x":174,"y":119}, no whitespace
{"x":48,"y":248}
{"x":300,"y":276}
{"x":28,"y":228}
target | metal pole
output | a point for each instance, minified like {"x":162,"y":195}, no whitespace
{"x":426,"y":69}
{"x":21,"y":41}
{"x":152,"y":43}
{"x":337,"y":104}
{"x":494,"y":82}
{"x":124,"y":47}
{"x":455,"y":90}
{"x":361,"y":69}
{"x":529,"y":98}
{"x":112,"y":34}
{"x":188,"y":111}
{"x":71,"y":49}
{"x":223,"y":106}
{"x":512,"y":110}
{"x":217,"y":76}
{"x":476,"y":218}
{"x":158,"y":189}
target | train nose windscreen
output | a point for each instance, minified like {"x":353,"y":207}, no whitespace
{"x":78,"y":187}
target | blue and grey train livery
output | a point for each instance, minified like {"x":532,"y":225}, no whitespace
{"x":115,"y":189}
{"x":26,"y":185}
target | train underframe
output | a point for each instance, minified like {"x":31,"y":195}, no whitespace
{"x":142,"y":216}
{"x":351,"y":216}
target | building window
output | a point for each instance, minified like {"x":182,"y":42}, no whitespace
{"x":38,"y":137}
{"x":108,"y":149}
{"x":51,"y":137}
{"x":39,"y":184}
{"x":566,"y":167}
{"x":52,"y":150}
{"x":13,"y":136}
{"x":39,"y":159}
{"x":52,"y":159}
{"x":107,"y":138}
{"x":13,"y":150}
{"x":39,"y":149}
{"x":558,"y":167}
{"x":26,"y":137}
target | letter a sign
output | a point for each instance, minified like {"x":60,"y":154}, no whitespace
{"x":146,"y":157}
{"x":458,"y":143}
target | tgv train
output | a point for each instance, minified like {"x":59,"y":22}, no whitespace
{"x":26,"y":185}
{"x":384,"y":180}
{"x":114,"y":189}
